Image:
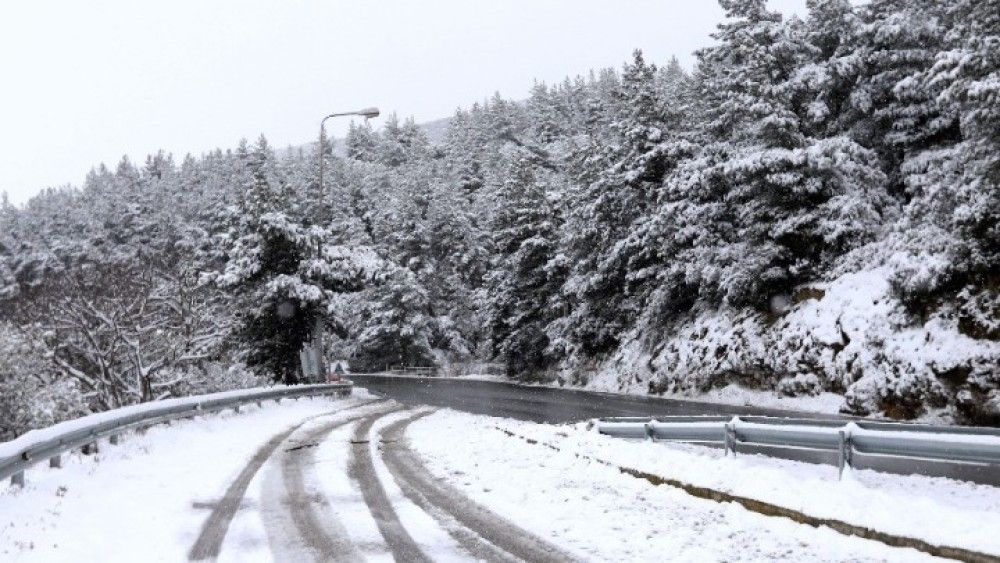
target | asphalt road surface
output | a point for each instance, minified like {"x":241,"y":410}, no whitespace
{"x":542,"y":404}
{"x":552,"y":405}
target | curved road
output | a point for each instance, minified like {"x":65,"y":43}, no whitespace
{"x":553,"y":405}
{"x":543,"y":404}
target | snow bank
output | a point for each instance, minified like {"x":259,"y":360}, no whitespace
{"x":895,"y":504}
{"x":605,"y":515}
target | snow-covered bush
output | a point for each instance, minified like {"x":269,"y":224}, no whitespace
{"x":213,"y":377}
{"x":31,"y":393}
{"x":850,"y":336}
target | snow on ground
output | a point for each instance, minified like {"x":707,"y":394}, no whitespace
{"x":610,"y":516}
{"x":733,"y":394}
{"x":141,"y":494}
{"x":147,"y":498}
{"x":434,"y":540}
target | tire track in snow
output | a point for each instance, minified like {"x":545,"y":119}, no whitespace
{"x":213,"y":531}
{"x":484,"y":534}
{"x":361,"y":468}
{"x":299,"y":521}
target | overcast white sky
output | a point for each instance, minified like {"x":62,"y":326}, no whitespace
{"x":86,"y":82}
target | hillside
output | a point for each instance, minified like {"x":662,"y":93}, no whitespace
{"x":813,"y":211}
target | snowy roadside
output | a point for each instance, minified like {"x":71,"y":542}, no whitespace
{"x":146,"y":498}
{"x":596,"y":509}
{"x":850,"y":333}
{"x":32,"y":437}
{"x":890,"y":503}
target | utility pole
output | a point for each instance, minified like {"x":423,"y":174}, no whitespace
{"x":317,"y":349}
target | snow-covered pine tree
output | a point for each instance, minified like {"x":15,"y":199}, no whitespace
{"x":522,"y":281}
{"x":890,"y":112}
{"x":361,"y":142}
{"x":644,"y":143}
{"x":401,"y":143}
{"x":953,"y":218}
{"x":965,"y":81}
{"x":790,"y":202}
{"x":543,"y":114}
{"x":398,"y":328}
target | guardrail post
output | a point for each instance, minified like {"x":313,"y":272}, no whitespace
{"x":17,"y":479}
{"x":236,"y":409}
{"x":89,"y":449}
{"x":845,"y":449}
{"x":113,"y":439}
{"x":731,"y":440}
{"x":55,"y":461}
{"x":650,"y":435}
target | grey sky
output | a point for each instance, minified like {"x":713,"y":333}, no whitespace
{"x":86,"y":82}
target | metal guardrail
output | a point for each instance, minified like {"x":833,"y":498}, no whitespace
{"x":919,"y":441}
{"x":50,"y":443}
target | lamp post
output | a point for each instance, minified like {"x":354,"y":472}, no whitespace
{"x":317,"y":346}
{"x":366,"y":113}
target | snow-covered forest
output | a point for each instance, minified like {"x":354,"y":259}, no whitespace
{"x":814,"y":207}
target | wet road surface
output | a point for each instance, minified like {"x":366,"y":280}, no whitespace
{"x":544,"y":404}
{"x":552,"y":405}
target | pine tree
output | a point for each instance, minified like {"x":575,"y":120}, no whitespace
{"x":790,"y":202}
{"x":895,"y":43}
{"x":522,"y":282}
{"x":362,"y":143}
{"x":401,"y":143}
{"x":544,"y":115}
{"x":644,"y":143}
{"x":966,"y":81}
{"x":397,"y":327}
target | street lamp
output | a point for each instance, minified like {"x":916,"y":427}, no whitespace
{"x":366,"y":113}
{"x":318,"y":352}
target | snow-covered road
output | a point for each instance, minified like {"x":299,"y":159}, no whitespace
{"x":366,"y":479}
